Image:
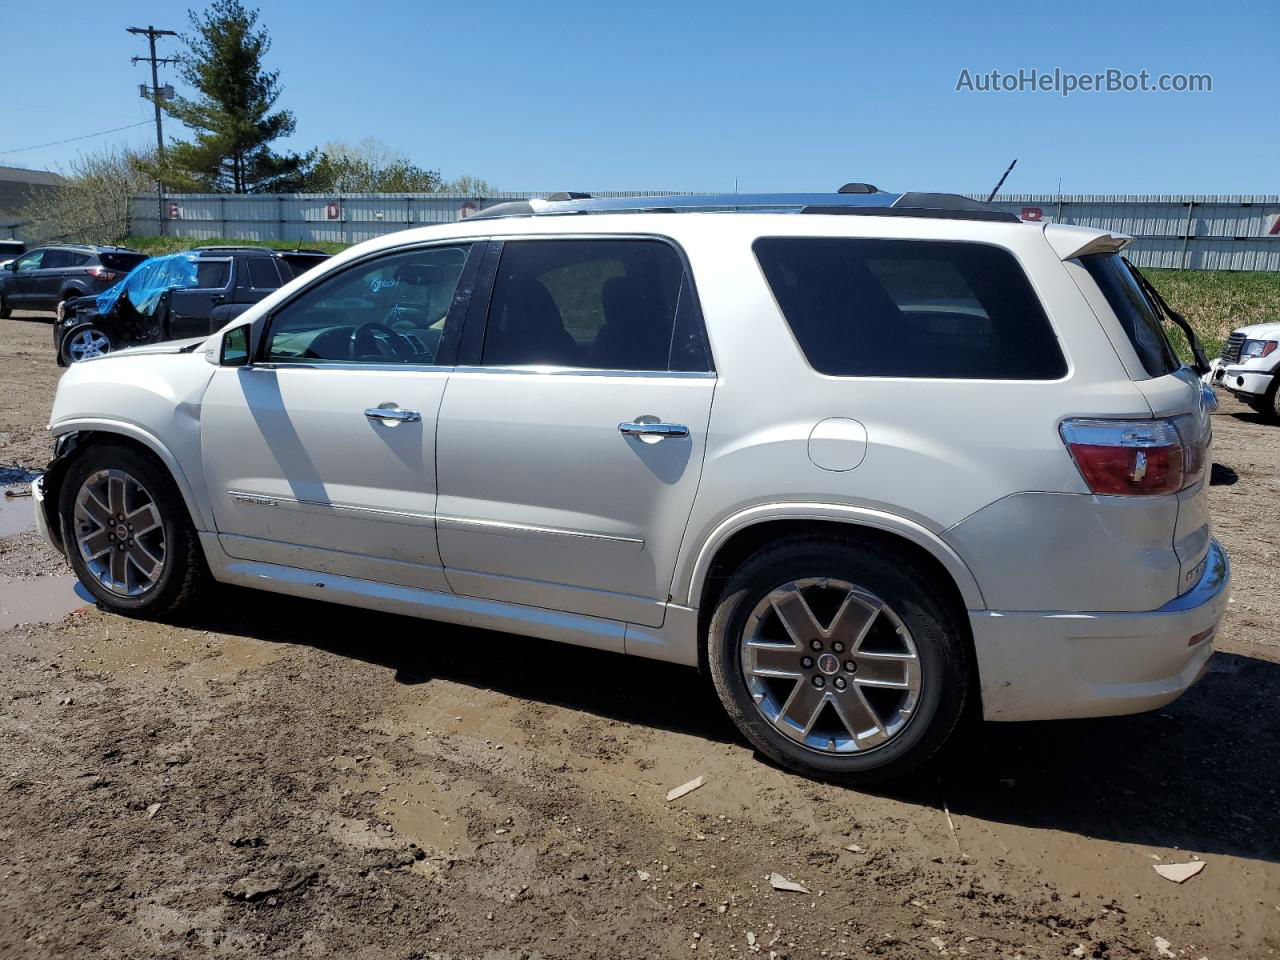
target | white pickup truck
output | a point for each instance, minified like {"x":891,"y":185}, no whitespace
{"x":1250,"y":367}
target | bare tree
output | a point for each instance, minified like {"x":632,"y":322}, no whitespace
{"x":92,"y":204}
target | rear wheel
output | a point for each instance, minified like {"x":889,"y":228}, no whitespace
{"x":839,"y":660}
{"x":127,"y":532}
{"x":84,"y":342}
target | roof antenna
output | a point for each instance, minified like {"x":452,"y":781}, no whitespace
{"x":993,"y":193}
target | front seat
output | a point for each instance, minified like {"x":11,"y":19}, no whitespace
{"x":529,"y":328}
{"x":635,"y":335}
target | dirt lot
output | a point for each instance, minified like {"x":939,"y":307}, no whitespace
{"x":273,"y":778}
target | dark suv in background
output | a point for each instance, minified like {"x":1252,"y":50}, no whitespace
{"x":48,"y":276}
{"x":217,"y":286}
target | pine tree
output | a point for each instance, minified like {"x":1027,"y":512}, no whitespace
{"x":232,"y":118}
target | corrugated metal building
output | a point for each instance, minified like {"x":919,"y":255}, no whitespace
{"x":1195,"y":232}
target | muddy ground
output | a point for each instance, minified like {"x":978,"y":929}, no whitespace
{"x":277,"y":778}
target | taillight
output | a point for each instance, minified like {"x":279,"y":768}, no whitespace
{"x":102,"y":273}
{"x":1138,"y":457}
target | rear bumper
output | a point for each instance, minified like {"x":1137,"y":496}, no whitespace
{"x":1054,"y":665}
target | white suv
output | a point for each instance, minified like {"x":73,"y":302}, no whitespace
{"x":870,"y":460}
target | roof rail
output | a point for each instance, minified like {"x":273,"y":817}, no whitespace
{"x":853,"y":198}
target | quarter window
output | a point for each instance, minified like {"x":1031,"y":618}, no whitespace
{"x":910,"y":308}
{"x":597,"y":304}
{"x":388,"y":310}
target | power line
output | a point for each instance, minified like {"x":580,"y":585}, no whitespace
{"x":87,"y":136}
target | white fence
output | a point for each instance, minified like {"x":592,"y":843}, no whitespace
{"x":1193,"y":232}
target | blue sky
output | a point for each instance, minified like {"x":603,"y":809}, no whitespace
{"x":691,"y":95}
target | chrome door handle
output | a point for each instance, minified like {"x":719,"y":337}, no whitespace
{"x":391,"y":412}
{"x":659,"y":430}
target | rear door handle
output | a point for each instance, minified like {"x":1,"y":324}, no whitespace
{"x":392,"y":412}
{"x":659,"y":430}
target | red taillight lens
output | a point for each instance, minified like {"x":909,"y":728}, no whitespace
{"x":1137,"y":457}
{"x":102,"y":273}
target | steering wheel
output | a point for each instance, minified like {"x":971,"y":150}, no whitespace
{"x":380,"y":337}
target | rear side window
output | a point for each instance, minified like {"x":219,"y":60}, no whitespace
{"x":910,"y":308}
{"x":121,"y":262}
{"x":1129,"y":304}
{"x":598,"y":304}
{"x":263,"y":274}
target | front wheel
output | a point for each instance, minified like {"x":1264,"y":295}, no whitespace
{"x":840,"y":660}
{"x":127,"y":532}
{"x":84,"y":342}
{"x":6,"y":311}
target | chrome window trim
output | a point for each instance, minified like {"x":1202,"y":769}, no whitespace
{"x":558,"y":371}
{"x":347,"y":365}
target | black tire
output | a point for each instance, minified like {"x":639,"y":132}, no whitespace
{"x":1270,"y":405}
{"x":911,"y":591}
{"x":64,"y":350}
{"x":183,"y":575}
{"x":5,"y":310}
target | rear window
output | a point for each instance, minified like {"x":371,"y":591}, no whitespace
{"x":910,"y":308}
{"x":121,"y":262}
{"x":1130,"y":305}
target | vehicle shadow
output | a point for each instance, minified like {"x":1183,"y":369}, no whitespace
{"x":1202,"y":774}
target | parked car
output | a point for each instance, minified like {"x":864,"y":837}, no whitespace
{"x":952,"y":460}
{"x":182,"y":295}
{"x":1250,"y":367}
{"x":48,"y":276}
{"x":11,"y":250}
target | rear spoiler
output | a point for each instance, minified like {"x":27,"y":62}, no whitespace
{"x":1069,"y":242}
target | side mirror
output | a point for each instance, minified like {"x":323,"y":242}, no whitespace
{"x":235,"y":347}
{"x":11,"y":264}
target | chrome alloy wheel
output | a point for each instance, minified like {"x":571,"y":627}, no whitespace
{"x":831,"y":666}
{"x":88,"y":343}
{"x":119,"y":533}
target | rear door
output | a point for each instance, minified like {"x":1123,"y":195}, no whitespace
{"x":46,"y":283}
{"x":572,"y":435}
{"x":191,"y":308}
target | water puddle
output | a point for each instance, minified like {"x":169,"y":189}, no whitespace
{"x":17,"y":514}
{"x":41,"y":600}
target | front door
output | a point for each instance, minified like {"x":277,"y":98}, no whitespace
{"x":571,"y":440}
{"x":22,"y":284}
{"x":321,"y":453}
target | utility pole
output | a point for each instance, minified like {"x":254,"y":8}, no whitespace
{"x":151,"y":33}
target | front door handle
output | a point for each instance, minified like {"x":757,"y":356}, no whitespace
{"x":389,"y":411}
{"x":651,"y":429}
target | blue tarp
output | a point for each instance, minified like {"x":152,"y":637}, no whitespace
{"x":148,"y":280}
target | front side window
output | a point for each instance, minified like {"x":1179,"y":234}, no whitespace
{"x":910,"y":308}
{"x":30,"y":262}
{"x":212,"y":274}
{"x":598,"y":304}
{"x":390,"y":309}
